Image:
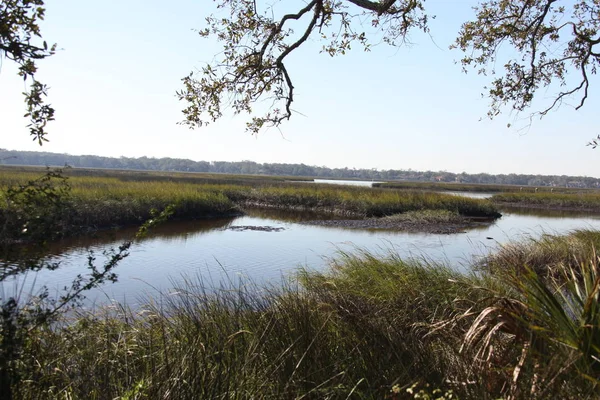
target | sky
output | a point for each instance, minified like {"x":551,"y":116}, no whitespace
{"x":120,"y":62}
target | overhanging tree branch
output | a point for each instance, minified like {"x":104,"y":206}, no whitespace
{"x":18,"y":30}
{"x":547,"y":53}
{"x":255,"y":47}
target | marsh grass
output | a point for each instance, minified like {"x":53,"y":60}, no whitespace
{"x":101,"y":199}
{"x":480,"y":187}
{"x":545,"y":254}
{"x":427,"y":217}
{"x":370,"y":327}
{"x":589,"y":201}
{"x":351,"y":333}
{"x":366,"y":202}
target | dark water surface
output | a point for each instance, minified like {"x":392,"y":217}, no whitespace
{"x":214,"y":251}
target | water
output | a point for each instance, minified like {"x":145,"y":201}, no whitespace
{"x":473,"y":195}
{"x":212,"y":250}
{"x":344,"y":182}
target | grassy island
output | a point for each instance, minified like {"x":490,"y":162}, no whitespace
{"x":98,"y":199}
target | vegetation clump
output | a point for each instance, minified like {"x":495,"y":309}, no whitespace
{"x":426,"y":217}
{"x":544,"y":254}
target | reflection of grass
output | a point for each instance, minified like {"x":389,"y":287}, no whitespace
{"x":369,"y":324}
{"x":589,"y":201}
{"x":107,"y":198}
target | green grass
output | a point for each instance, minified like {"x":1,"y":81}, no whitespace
{"x":354,"y":332}
{"x":546,"y":253}
{"x":578,"y":201}
{"x":101,"y":199}
{"x":161,"y":176}
{"x":98,"y":202}
{"x":368,"y":324}
{"x":479,"y":187}
{"x":365,"y":202}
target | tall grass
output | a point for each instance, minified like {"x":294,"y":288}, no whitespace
{"x":93,"y":203}
{"x":549,"y":325}
{"x":589,"y":201}
{"x":153,"y":176}
{"x":479,"y":187}
{"x":362,"y":201}
{"x":544,"y":254}
{"x":106,"y":202}
{"x":352,"y":333}
{"x":127,"y":198}
{"x":368,"y":325}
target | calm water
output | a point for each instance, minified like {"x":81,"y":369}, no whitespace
{"x":474,"y":195}
{"x":343,"y":182}
{"x":219,"y":250}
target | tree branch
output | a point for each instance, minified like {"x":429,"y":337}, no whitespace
{"x":252,"y":66}
{"x":378,"y":7}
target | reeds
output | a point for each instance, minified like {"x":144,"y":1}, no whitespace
{"x":588,"y":201}
{"x":103,"y":199}
{"x":366,"y":202}
{"x":352,"y":333}
{"x":480,"y":187}
{"x":370,"y":325}
{"x":544,"y":254}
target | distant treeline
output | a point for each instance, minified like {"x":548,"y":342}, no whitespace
{"x":10,"y":157}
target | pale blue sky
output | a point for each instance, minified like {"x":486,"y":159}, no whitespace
{"x":113,"y":83}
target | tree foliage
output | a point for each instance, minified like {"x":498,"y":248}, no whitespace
{"x":252,"y":65}
{"x":22,"y":43}
{"x":554,"y":42}
{"x":549,"y":41}
{"x":28,"y":158}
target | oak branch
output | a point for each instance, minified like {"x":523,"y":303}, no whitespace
{"x":552,"y":43}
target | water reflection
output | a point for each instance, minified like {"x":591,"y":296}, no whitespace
{"x":168,"y":232}
{"x":547,"y":213}
{"x":345,"y":182}
{"x":290,"y":215}
{"x":207,"y":249}
{"x":473,"y":195}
